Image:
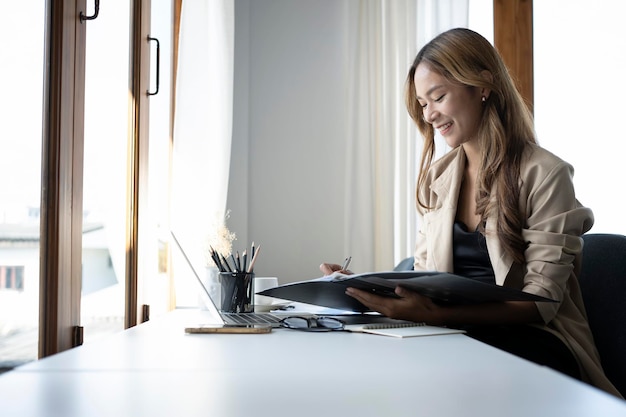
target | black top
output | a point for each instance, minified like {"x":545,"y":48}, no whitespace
{"x":471,"y":259}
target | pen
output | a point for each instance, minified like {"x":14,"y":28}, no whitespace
{"x":253,"y":261}
{"x":346,"y":263}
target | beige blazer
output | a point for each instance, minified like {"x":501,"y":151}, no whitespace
{"x":555,"y":220}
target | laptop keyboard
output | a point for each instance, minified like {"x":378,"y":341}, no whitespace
{"x":250,"y":318}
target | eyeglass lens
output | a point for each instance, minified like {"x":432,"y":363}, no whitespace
{"x":312,"y":323}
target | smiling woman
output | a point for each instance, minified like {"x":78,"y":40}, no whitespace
{"x":451,"y":108}
{"x":518,"y":199}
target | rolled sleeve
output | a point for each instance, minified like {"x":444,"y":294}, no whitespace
{"x":555,"y":223}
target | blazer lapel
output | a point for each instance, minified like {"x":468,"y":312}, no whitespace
{"x":440,"y":221}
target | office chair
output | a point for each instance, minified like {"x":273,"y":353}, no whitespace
{"x":603,"y":286}
{"x":405,"y":265}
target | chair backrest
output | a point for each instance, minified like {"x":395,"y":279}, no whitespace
{"x":603,"y":286}
{"x":405,"y":265}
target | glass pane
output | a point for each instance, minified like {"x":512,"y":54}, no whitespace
{"x":154,"y":251}
{"x":580,"y":56}
{"x":480,"y":17}
{"x":105,"y":171}
{"x":20,"y":184}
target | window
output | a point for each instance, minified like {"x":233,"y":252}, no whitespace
{"x":579,"y":59}
{"x":105,"y":123}
{"x":106,"y":173}
{"x":12,"y":278}
{"x":22,"y":45}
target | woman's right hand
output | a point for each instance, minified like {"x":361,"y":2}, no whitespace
{"x":329,"y":269}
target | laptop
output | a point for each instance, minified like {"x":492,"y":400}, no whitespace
{"x":274,"y":318}
{"x":222,"y":317}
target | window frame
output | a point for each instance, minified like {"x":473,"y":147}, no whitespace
{"x":513,"y":37}
{"x":62,"y":169}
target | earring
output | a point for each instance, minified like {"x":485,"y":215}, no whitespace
{"x":483,"y":99}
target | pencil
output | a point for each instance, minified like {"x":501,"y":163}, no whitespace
{"x":216,"y":259}
{"x":253,"y":261}
{"x":232,"y":258}
{"x":225,"y":262}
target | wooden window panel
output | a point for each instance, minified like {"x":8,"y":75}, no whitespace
{"x":135,"y":312}
{"x":62,"y":150}
{"x":513,"y":34}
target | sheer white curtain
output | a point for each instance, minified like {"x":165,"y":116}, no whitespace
{"x":434,"y":17}
{"x":383,"y":144}
{"x":202,"y":127}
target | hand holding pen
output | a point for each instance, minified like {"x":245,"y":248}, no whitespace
{"x":328,"y":269}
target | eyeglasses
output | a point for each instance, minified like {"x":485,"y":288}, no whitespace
{"x":312,"y":324}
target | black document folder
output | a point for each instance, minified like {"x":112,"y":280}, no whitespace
{"x":442,"y":287}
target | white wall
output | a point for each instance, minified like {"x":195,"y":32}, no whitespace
{"x":289,"y":127}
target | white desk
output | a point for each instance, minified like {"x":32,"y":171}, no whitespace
{"x":156,"y":370}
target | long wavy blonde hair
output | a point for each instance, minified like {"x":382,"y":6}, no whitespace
{"x":506,"y":128}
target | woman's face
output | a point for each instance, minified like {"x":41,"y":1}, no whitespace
{"x":454,"y":110}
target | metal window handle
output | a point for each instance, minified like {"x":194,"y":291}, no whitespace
{"x":158,"y":65}
{"x":95,"y":12}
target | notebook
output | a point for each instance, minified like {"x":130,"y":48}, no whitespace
{"x":402,"y":329}
{"x":229,"y":318}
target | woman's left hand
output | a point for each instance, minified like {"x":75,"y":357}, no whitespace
{"x":410,"y":306}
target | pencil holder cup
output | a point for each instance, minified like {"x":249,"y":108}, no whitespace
{"x":237,"y":294}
